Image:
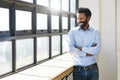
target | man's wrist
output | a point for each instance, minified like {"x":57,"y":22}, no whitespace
{"x":80,"y":48}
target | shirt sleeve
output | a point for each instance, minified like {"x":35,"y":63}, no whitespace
{"x":71,"y":42}
{"x":96,"y":49}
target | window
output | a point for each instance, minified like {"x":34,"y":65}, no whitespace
{"x":4,"y":19}
{"x":24,"y":52}
{"x":41,"y":21}
{"x":65,"y":5}
{"x":43,"y":2}
{"x":31,"y":1}
{"x":32,"y":31}
{"x":64,"y":43}
{"x":72,"y":22}
{"x":55,"y":22}
{"x":64,"y":23}
{"x":55,"y":4}
{"x":42,"y":48}
{"x":72,"y":6}
{"x":23,"y":20}
{"x":5,"y":57}
{"x":55,"y":45}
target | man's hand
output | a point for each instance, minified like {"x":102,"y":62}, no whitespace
{"x":94,"y":45}
{"x":87,"y":54}
{"x":80,"y":48}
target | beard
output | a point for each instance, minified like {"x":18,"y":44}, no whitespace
{"x":83,"y":24}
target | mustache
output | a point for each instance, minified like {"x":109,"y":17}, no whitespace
{"x":82,"y":21}
{"x":85,"y":22}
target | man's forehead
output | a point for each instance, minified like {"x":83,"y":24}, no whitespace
{"x":78,"y":14}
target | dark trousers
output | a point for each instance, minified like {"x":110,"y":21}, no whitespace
{"x":88,"y":73}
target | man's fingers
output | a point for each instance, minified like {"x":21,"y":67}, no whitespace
{"x":94,"y":45}
{"x":89,"y":54}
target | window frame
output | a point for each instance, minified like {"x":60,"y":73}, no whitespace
{"x":34,"y":8}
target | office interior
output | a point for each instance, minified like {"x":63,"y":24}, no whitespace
{"x":35,"y":31}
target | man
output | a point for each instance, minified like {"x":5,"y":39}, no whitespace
{"x":84,"y":44}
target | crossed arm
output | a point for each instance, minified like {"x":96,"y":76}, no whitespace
{"x":87,"y":54}
{"x":85,"y":51}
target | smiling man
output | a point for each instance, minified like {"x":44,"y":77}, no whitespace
{"x":84,"y":45}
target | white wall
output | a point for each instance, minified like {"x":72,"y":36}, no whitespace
{"x":104,"y":18}
{"x":118,"y":38}
{"x":108,"y":54}
{"x":93,"y":6}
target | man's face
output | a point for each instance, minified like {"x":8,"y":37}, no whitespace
{"x":82,"y":19}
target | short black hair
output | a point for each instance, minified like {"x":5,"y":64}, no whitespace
{"x":85,"y":10}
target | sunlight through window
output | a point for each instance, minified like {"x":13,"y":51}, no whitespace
{"x":55,"y":4}
{"x":43,"y":2}
{"x":4,"y":19}
{"x":23,"y":20}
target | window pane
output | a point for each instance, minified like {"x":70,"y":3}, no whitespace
{"x":55,"y":22}
{"x":4,"y":19}
{"x":55,"y":4}
{"x":24,"y":52}
{"x":65,"y":5}
{"x":73,"y":6}
{"x":55,"y":45}
{"x":64,"y":43}
{"x":41,"y":21}
{"x":72,"y":22}
{"x":23,"y":20}
{"x":64,"y":23}
{"x":5,"y":57}
{"x":28,"y":1}
{"x":42,"y":48}
{"x":43,"y":2}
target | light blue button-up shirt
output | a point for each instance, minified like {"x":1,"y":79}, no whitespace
{"x":84,"y":39}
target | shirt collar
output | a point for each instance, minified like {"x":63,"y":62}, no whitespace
{"x":89,"y":29}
